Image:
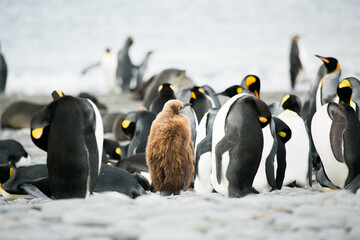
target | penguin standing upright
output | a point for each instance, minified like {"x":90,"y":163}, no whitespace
{"x":125,"y":68}
{"x":189,"y":112}
{"x":252,"y":83}
{"x":170,"y":151}
{"x":3,"y":72}
{"x":70,"y":130}
{"x":326,"y":91}
{"x":166,"y":92}
{"x":295,"y":62}
{"x":203,"y":153}
{"x":235,"y":156}
{"x":334,"y":131}
{"x":108,"y":64}
{"x":199,"y":102}
{"x":298,"y":160}
{"x":142,"y":130}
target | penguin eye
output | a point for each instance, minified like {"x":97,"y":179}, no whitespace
{"x":37,"y":132}
{"x":125,"y":123}
{"x":160,"y":87}
{"x":282,"y":134}
{"x":172,"y":87}
{"x":118,"y":151}
{"x":263,"y":119}
{"x":201,"y":90}
{"x":239,"y":90}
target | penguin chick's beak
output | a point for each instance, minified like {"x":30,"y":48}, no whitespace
{"x":187,"y":104}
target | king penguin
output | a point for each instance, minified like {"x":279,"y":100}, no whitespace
{"x":203,"y":145}
{"x":70,"y":130}
{"x":295,"y":62}
{"x":298,"y":160}
{"x":166,"y":92}
{"x":252,"y":83}
{"x":326,"y":91}
{"x":236,"y":157}
{"x":170,"y":151}
{"x":326,"y":138}
{"x":125,"y":69}
{"x":3,"y":72}
{"x":199,"y":102}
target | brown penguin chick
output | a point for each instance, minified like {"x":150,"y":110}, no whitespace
{"x":170,"y":151}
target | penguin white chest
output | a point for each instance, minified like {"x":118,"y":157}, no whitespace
{"x":336,"y":171}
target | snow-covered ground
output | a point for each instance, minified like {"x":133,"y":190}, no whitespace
{"x":48,"y":43}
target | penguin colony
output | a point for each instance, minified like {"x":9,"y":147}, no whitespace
{"x":189,"y":137}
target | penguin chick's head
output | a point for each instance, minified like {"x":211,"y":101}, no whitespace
{"x":331,"y":64}
{"x":174,"y":106}
{"x":252,"y":83}
{"x":344,"y":91}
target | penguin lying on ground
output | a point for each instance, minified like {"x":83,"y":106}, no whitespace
{"x":19,"y":114}
{"x":33,"y":180}
{"x":70,"y":130}
{"x":12,"y":151}
{"x":170,"y":151}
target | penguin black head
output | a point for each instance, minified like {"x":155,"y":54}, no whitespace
{"x":282,"y":129}
{"x":166,"y":90}
{"x":291,"y":102}
{"x":107,"y":50}
{"x":330,"y":63}
{"x":57,"y":94}
{"x":128,"y":127}
{"x":129,"y":41}
{"x":344,"y":91}
{"x":252,"y":83}
{"x":197,"y":93}
{"x":232,"y":91}
{"x":295,"y":37}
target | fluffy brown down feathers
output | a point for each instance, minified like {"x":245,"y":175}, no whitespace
{"x":170,"y":151}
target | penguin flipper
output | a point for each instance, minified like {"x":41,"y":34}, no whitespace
{"x":337,"y":129}
{"x":33,"y":191}
{"x":41,"y":184}
{"x":354,"y":185}
{"x":201,"y":148}
{"x":324,"y":180}
{"x":281,"y":167}
{"x":224,"y":145}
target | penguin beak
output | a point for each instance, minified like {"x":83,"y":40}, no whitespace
{"x":322,"y":59}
